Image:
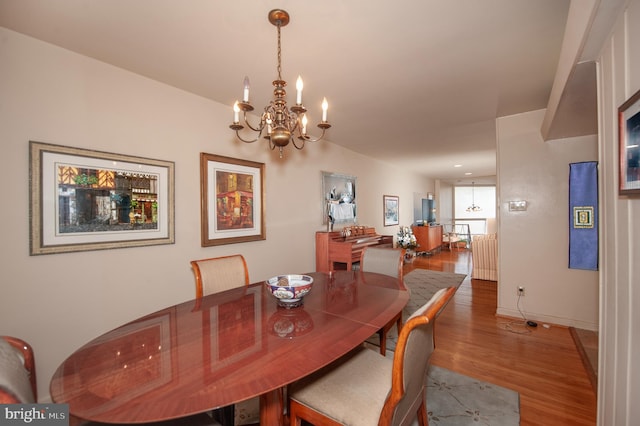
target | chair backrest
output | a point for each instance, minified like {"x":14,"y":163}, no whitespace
{"x":385,"y":261}
{"x":219,"y":273}
{"x":17,"y":372}
{"x":411,"y":362}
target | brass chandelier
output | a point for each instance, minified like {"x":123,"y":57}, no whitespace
{"x":278,"y":124}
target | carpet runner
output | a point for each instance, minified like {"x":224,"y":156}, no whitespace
{"x":423,"y":284}
{"x":455,"y":399}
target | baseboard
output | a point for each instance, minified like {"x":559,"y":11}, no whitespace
{"x":548,"y":319}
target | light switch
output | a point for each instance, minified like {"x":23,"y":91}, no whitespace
{"x":517,"y":206}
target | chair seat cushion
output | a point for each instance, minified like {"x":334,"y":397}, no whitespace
{"x":351,"y":391}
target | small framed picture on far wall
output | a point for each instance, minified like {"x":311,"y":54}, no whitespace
{"x":390,"y":212}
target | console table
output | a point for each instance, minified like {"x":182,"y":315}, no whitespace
{"x":429,"y":238}
{"x":333,"y":247}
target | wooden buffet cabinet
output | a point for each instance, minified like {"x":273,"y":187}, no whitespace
{"x":429,"y":237}
{"x":332,"y":247}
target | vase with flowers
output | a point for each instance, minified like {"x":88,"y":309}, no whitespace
{"x":407,"y":240}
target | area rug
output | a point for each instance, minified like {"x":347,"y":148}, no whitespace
{"x":423,"y":284}
{"x":455,"y":399}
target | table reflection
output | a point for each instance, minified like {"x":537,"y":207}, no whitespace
{"x":290,"y":323}
{"x":232,"y":330}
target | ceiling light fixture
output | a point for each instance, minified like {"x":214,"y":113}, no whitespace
{"x":473,"y":207}
{"x":280,"y":125}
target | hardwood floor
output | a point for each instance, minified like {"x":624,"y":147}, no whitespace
{"x":542,"y":364}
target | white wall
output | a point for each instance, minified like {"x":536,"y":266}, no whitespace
{"x":619,"y":372}
{"x":533,"y":245}
{"x":59,"y":302}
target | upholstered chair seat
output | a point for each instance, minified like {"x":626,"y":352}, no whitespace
{"x":350,"y":380}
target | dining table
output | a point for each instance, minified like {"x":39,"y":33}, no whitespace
{"x":222,"y":349}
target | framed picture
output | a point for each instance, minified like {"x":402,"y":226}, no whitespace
{"x":232,"y":200}
{"x":339,"y":198}
{"x":390,"y":210}
{"x":629,"y":138}
{"x":82,"y":199}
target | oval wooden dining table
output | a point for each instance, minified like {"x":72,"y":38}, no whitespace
{"x":222,"y":349}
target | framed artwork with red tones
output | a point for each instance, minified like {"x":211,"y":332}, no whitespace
{"x":232,"y":200}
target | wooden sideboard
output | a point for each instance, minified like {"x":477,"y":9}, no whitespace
{"x":429,"y":237}
{"x":332,"y":247}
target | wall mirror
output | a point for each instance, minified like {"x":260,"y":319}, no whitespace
{"x":338,"y":198}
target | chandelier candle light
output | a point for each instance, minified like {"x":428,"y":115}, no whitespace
{"x":280,"y":125}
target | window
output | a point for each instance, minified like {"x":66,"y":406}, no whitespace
{"x":482,"y":196}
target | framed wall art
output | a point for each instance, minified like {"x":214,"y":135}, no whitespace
{"x":82,"y":199}
{"x":391,"y":204}
{"x":232,"y":200}
{"x":339,"y":198}
{"x":629,"y":145}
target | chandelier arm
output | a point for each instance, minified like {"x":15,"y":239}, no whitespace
{"x":309,"y":139}
{"x":293,"y":141}
{"x":245,"y":140}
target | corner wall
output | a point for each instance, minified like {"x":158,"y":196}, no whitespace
{"x":533,"y":245}
{"x":619,"y":372}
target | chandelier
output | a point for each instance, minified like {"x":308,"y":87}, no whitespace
{"x":473,"y":207}
{"x":278,"y":124}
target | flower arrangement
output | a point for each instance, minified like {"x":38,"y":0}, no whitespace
{"x":406,"y":239}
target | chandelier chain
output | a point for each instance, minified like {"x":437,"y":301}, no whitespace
{"x":279,"y":55}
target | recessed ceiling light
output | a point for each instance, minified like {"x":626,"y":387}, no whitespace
{"x":457,"y":165}
{"x":468,"y":174}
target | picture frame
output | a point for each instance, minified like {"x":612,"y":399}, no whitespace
{"x":629,"y":146}
{"x":391,"y":210}
{"x":83,"y":199}
{"x":339,"y":199}
{"x":232,"y":200}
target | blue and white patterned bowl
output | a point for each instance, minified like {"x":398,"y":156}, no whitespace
{"x":289,"y":289}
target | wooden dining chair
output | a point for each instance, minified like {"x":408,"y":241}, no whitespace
{"x":390,"y":262}
{"x":366,"y":388}
{"x":17,"y":372}
{"x":217,"y":274}
{"x":18,"y":383}
{"x":214,"y":275}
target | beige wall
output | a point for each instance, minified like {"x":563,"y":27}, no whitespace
{"x":533,"y":245}
{"x":619,"y":372}
{"x":59,"y":302}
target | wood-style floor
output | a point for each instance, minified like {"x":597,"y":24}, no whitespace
{"x":542,"y":364}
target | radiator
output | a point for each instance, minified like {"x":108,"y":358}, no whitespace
{"x":484,"y":254}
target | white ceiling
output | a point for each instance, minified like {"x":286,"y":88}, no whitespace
{"x":413,"y":82}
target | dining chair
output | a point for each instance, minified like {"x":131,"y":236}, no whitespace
{"x":214,"y":275}
{"x":390,"y":262}
{"x":366,"y":388}
{"x":17,"y":372}
{"x":18,"y":383}
{"x":217,"y":274}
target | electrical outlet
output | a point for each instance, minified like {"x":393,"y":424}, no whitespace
{"x":520,"y":291}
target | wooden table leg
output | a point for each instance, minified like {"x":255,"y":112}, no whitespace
{"x":272,"y":408}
